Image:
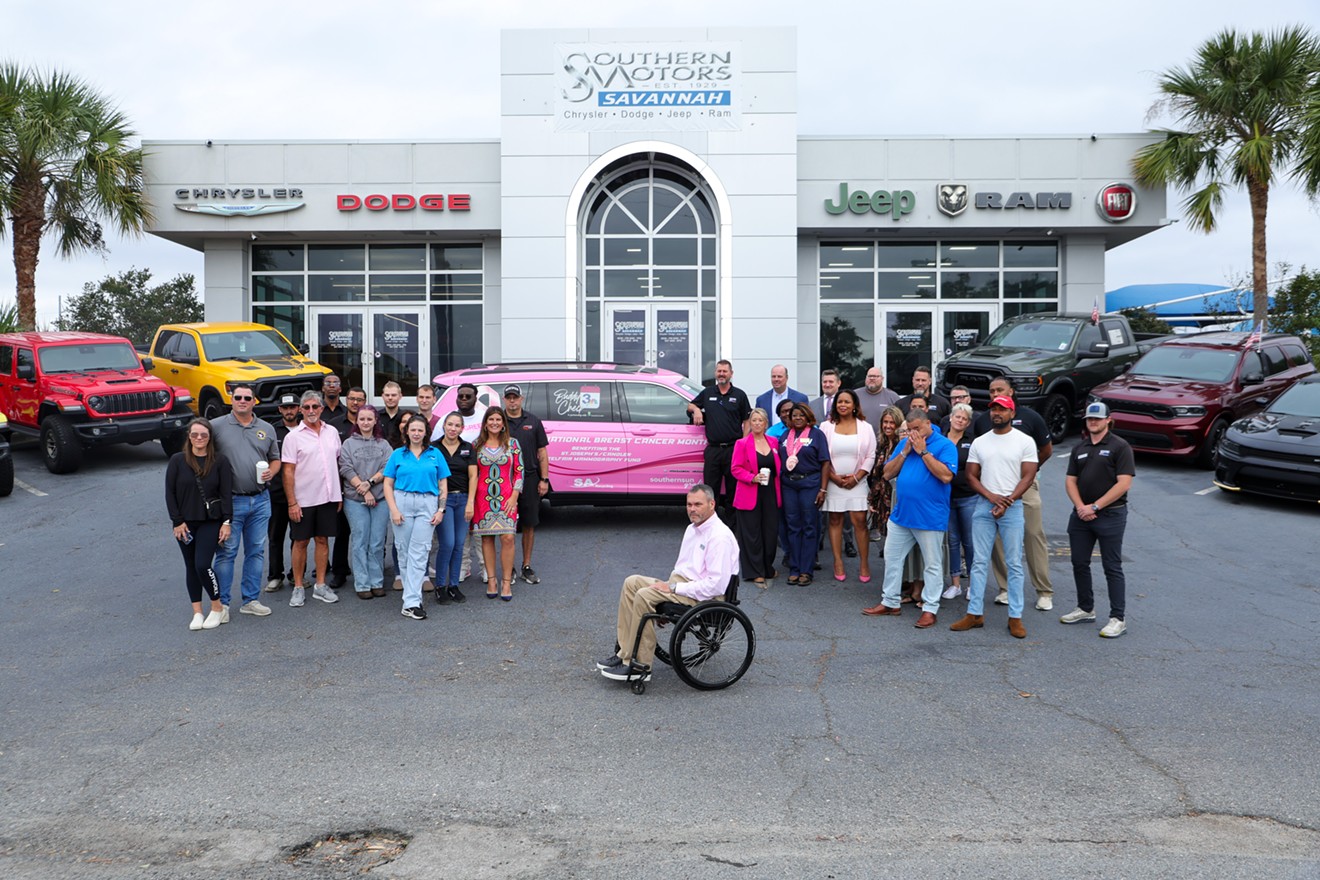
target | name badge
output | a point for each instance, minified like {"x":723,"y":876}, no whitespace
{"x":1104,"y":452}
{"x":1082,"y":456}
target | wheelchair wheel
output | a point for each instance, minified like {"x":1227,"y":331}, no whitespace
{"x":712,"y":646}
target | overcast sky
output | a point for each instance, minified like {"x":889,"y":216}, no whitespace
{"x":395,"y":69}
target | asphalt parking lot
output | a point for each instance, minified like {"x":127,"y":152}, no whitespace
{"x":482,"y":742}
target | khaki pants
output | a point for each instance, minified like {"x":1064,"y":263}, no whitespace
{"x":637,"y":598}
{"x":1035,"y":550}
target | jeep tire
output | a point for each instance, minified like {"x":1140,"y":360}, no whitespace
{"x":60,"y":448}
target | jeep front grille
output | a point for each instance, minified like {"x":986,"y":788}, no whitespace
{"x":125,"y":403}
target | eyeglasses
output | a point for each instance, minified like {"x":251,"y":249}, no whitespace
{"x":201,"y":436}
{"x":466,"y":396}
{"x":352,"y":399}
{"x":312,"y":406}
{"x":243,"y":397}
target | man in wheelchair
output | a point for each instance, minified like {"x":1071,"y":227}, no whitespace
{"x":707,"y":561}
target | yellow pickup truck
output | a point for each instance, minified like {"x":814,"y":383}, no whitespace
{"x":211,"y":359}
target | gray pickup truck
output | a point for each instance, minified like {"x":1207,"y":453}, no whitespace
{"x":1052,"y":360}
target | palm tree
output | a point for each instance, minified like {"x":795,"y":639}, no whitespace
{"x":66,"y":164}
{"x":1251,"y":107}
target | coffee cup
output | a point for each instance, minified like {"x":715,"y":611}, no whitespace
{"x":765,"y":476}
{"x":263,"y":471}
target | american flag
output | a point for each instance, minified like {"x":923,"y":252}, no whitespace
{"x":1095,"y":311}
{"x":1254,"y":339}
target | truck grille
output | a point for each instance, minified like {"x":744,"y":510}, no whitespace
{"x":1139,"y":407}
{"x":120,"y":404}
{"x":974,"y":379}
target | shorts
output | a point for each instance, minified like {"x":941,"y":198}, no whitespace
{"x":529,"y":507}
{"x":321,"y":521}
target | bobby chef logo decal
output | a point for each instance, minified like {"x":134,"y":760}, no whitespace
{"x":951,"y":198}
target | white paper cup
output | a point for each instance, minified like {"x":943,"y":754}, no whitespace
{"x":765,"y":476}
{"x":263,"y":471}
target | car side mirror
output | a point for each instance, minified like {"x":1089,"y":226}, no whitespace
{"x":1095,"y":350}
{"x":304,"y":348}
{"x":188,"y":359}
{"x":147,"y":363}
{"x":27,"y":372}
{"x":1253,"y":379}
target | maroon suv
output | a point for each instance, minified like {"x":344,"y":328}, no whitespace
{"x":1184,"y":393}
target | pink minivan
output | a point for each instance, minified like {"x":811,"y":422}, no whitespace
{"x":619,"y":434}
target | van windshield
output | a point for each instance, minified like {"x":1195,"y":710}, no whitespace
{"x":88,"y":358}
{"x":1039,"y":335}
{"x":1187,"y":363}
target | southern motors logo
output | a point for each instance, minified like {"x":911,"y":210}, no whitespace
{"x":646,"y":86}
{"x":1116,"y":202}
{"x":223,"y":201}
{"x":951,"y":198}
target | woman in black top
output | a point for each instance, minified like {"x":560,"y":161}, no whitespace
{"x":452,"y":531}
{"x":199,"y":498}
{"x":963,"y":500}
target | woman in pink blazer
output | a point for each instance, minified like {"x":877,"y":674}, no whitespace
{"x":756,"y":499}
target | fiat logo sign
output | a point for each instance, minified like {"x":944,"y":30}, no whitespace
{"x":1116,"y":202}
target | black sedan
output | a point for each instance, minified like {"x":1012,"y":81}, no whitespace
{"x":1276,"y":452}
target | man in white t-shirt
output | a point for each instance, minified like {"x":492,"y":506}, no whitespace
{"x":1001,"y":467}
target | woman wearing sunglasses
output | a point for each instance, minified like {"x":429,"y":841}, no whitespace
{"x":199,"y":497}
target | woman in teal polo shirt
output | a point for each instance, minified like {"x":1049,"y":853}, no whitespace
{"x":416,"y":489}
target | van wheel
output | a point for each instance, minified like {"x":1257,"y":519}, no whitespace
{"x":60,"y":448}
{"x":6,"y":475}
{"x":1057,"y":412}
{"x":1208,"y":456}
{"x":211,"y":408}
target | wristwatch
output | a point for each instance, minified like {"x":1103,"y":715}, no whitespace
{"x":1095,"y":508}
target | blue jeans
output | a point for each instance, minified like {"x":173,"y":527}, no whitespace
{"x":413,"y":538}
{"x":960,"y":533}
{"x":366,"y":543}
{"x":801,"y":518}
{"x":451,"y":533}
{"x":1010,"y":527}
{"x":250,"y":524}
{"x":898,"y":543}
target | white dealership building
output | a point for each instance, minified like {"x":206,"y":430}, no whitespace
{"x":650,"y":200}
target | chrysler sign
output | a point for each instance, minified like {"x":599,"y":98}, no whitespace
{"x":238,"y":201}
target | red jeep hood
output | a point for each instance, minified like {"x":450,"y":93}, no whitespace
{"x":104,"y":382}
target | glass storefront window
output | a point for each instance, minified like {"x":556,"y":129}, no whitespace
{"x":336,"y":288}
{"x":675,"y":251}
{"x":674,"y":282}
{"x":289,"y":320}
{"x":847,"y":340}
{"x":969,"y":285}
{"x":1031,"y":285}
{"x":626,"y":252}
{"x":456,"y":286}
{"x":336,"y":258}
{"x":969,"y":255}
{"x":836,"y":284}
{"x":1032,"y":254}
{"x":456,"y":256}
{"x":1012,"y":309}
{"x":272,"y":258}
{"x":906,"y":255}
{"x":847,"y":255}
{"x":628,"y":282}
{"x":904,"y":285}
{"x":397,"y":257}
{"x":456,"y":335}
{"x":277,"y":288}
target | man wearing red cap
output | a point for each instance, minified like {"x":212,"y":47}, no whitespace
{"x":1001,"y":467}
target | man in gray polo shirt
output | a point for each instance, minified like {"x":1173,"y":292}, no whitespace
{"x":244,"y":440}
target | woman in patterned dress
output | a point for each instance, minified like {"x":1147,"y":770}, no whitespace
{"x":492,"y":505}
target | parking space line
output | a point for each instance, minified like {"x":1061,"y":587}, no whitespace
{"x":1207,"y":490}
{"x":33,"y":489}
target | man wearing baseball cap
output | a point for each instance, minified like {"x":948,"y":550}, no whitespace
{"x":279,"y":503}
{"x":1100,"y":472}
{"x":1001,"y":466}
{"x":527,"y":429}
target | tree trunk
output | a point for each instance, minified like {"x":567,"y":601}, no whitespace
{"x":29,"y":219}
{"x":1259,"y":192}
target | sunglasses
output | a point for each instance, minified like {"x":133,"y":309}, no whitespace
{"x":311,"y":406}
{"x":466,"y":396}
{"x":243,"y":397}
{"x":199,"y":436}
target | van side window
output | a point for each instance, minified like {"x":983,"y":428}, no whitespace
{"x":579,"y":401}
{"x":1275,"y":362}
{"x":6,"y":360}
{"x":654,"y":404}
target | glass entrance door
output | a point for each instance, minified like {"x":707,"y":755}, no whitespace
{"x":964,"y":327}
{"x":368,"y":347}
{"x":661,"y":335}
{"x":907,"y":342}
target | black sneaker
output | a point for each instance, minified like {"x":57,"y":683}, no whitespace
{"x":442,"y":596}
{"x":529,"y":575}
{"x":621,"y":673}
{"x":416,"y":612}
{"x":849,"y":549}
{"x":455,"y":595}
{"x":614,"y":661}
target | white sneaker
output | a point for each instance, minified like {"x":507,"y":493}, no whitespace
{"x":1002,"y":598}
{"x":296,"y":598}
{"x":254,"y":607}
{"x":1113,"y":629}
{"x":274,"y":585}
{"x":196,"y":622}
{"x":953,"y":592}
{"x":325,"y":594}
{"x":398,"y":583}
{"x":224,"y":614}
{"x":1044,"y":603}
{"x":212,"y":620}
{"x":1077,"y":615}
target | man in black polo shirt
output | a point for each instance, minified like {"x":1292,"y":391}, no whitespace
{"x":1036,"y":550}
{"x":723,"y":410}
{"x":1100,"y":472}
{"x":290,"y":415}
{"x":937,"y":407}
{"x":527,"y":429}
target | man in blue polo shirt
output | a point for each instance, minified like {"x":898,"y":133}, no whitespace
{"x":922,"y":466}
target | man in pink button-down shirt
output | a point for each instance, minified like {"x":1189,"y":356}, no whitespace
{"x":706,"y":562}
{"x":311,"y":484}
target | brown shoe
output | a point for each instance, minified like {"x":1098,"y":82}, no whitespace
{"x":882,"y":610}
{"x":1016,"y":629}
{"x":378,"y":591}
{"x":926,"y":619}
{"x":364,"y":594}
{"x":969,"y":621}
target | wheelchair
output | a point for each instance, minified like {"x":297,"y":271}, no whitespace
{"x":711,"y":646}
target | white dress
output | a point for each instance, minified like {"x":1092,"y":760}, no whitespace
{"x":844,"y":457}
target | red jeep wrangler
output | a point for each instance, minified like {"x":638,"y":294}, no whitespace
{"x":77,"y":390}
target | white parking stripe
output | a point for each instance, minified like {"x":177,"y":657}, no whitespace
{"x":33,"y":489}
{"x":1207,"y":491}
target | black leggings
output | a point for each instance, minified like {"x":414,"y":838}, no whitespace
{"x":197,"y":557}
